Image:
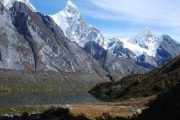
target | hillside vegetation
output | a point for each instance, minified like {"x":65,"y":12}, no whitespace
{"x":152,"y":83}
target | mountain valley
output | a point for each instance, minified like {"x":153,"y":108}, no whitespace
{"x":60,"y":60}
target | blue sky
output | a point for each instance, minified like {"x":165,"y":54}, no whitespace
{"x":116,"y":18}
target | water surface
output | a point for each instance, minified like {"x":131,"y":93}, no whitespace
{"x":71,"y":94}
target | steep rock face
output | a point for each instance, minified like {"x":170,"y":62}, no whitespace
{"x":111,"y":63}
{"x":167,"y":50}
{"x":121,"y":65}
{"x":147,"y":61}
{"x":98,"y":52}
{"x":74,"y":27}
{"x":14,"y":50}
{"x":117,"y":48}
{"x":34,"y":41}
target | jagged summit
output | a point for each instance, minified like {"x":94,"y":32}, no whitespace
{"x":65,"y":16}
{"x":144,"y":39}
{"x":146,"y":49}
{"x":70,"y":4}
{"x":70,"y":9}
{"x":71,"y":22}
{"x":144,"y":42}
{"x":9,"y":3}
{"x":147,"y":30}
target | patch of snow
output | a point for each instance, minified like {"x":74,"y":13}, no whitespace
{"x":60,"y":20}
{"x":9,"y":3}
{"x":144,"y":42}
{"x":63,"y":17}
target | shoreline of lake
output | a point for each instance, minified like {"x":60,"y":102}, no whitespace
{"x":126,"y":108}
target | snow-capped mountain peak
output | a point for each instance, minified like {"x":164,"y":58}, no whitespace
{"x":71,"y":5}
{"x":9,"y":3}
{"x":65,"y":17}
{"x":74,"y":27}
{"x":148,"y":31}
{"x":143,"y":43}
{"x":144,"y":39}
{"x":71,"y":10}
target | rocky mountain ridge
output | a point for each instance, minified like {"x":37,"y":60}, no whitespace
{"x":32,"y":41}
{"x":91,"y":40}
{"x":144,"y":51}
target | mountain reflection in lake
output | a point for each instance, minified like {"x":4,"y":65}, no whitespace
{"x":71,"y":94}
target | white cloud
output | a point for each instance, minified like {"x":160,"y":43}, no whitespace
{"x":160,"y":15}
{"x":159,"y":12}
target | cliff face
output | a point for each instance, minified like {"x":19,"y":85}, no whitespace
{"x":32,"y":41}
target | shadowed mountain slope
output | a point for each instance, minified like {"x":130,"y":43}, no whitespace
{"x":152,"y":83}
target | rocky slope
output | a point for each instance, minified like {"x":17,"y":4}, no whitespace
{"x":152,"y":83}
{"x":31,"y":41}
{"x":114,"y":65}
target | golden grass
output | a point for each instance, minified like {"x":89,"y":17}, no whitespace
{"x":125,"y":108}
{"x":93,"y":111}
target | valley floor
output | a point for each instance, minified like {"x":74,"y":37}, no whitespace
{"x":126,"y":108}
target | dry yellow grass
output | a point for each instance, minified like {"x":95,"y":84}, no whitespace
{"x":93,"y":111}
{"x":126,"y":108}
